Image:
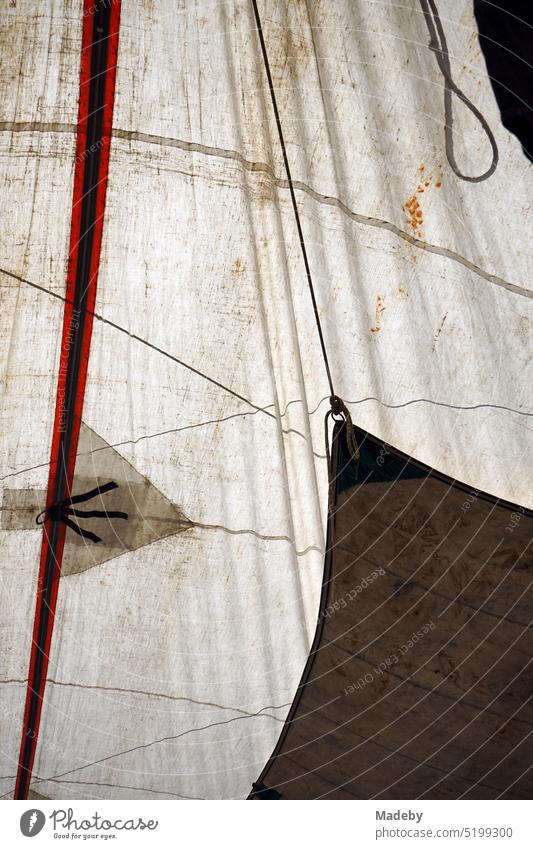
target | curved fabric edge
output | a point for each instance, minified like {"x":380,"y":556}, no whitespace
{"x":340,"y":465}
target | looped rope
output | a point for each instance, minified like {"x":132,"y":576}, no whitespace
{"x":61,"y":510}
{"x":339,"y":413}
{"x":439,"y":46}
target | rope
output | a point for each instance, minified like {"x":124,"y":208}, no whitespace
{"x":439,"y":46}
{"x":293,"y":197}
{"x":338,"y":411}
{"x":60,"y":511}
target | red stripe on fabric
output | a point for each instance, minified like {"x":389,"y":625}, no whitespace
{"x":68,"y":317}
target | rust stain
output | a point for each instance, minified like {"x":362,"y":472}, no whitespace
{"x":238,"y":267}
{"x":402,"y":293}
{"x":380,"y":308}
{"x":416,"y":216}
{"x":412,"y":204}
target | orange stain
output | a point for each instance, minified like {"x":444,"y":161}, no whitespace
{"x":416,"y":215}
{"x":380,"y":308}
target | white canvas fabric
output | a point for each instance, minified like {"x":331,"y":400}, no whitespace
{"x":39,"y":84}
{"x":173,"y":665}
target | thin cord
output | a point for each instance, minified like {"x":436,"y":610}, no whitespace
{"x":293,"y":196}
{"x":338,"y":408}
{"x":439,"y":46}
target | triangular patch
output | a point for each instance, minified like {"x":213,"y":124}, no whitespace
{"x":151,"y":516}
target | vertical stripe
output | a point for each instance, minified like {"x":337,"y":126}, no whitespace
{"x":95,"y":114}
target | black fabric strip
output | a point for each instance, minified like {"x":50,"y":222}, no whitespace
{"x":98,"y":490}
{"x":62,"y":510}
